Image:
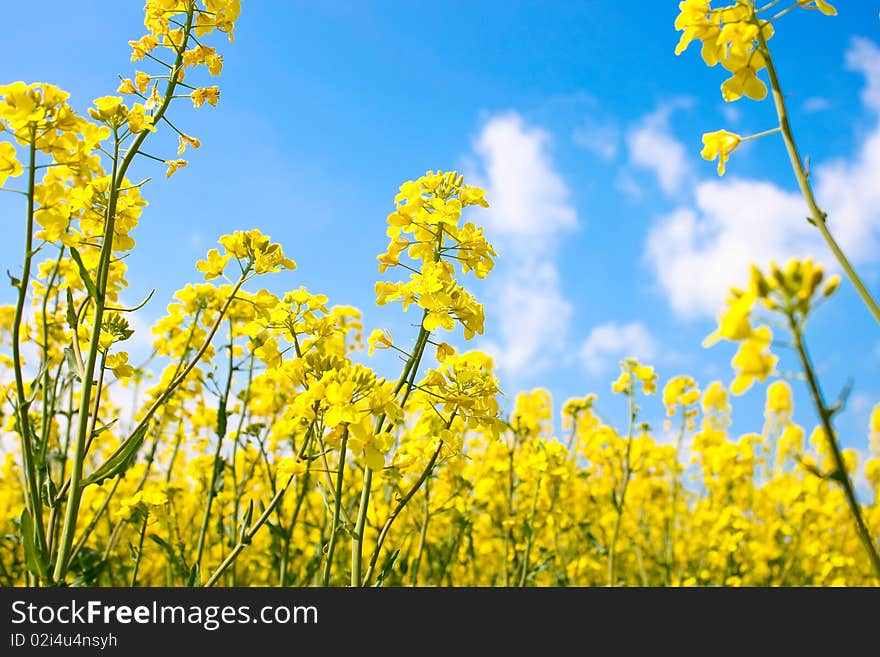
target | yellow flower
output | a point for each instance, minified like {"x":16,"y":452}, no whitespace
{"x":205,"y":94}
{"x":875,"y":420}
{"x":140,"y":500}
{"x":753,"y":361}
{"x":126,"y":87}
{"x":138,"y":120}
{"x":821,"y":5}
{"x":779,"y":398}
{"x":444,"y":351}
{"x":118,"y":362}
{"x":186,"y":140}
{"x":9,"y":165}
{"x":142,"y":46}
{"x":630,"y":368}
{"x":108,"y":109}
{"x":696,"y":22}
{"x":715,"y":398}
{"x":154,"y":498}
{"x":214,"y":265}
{"x":680,"y":391}
{"x":20,"y":104}
{"x":268,"y":353}
{"x":733,"y":324}
{"x":719,"y":144}
{"x":831,"y":285}
{"x":292,"y":467}
{"x":141,"y":81}
{"x":437,"y":318}
{"x":379,"y":339}
{"x":744,"y":80}
{"x":646,"y":374}
{"x":622,"y":383}
{"x":173,"y":166}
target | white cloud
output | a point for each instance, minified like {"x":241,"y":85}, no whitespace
{"x":861,"y":403}
{"x":701,"y":249}
{"x":849,"y":190}
{"x":529,"y":210}
{"x":533,"y":319}
{"x":628,"y":185}
{"x":731,"y":113}
{"x":611,"y":342}
{"x":697,"y":253}
{"x":599,"y":137}
{"x":864,"y":57}
{"x":528,"y":198}
{"x":651,"y":146}
{"x":816,"y":104}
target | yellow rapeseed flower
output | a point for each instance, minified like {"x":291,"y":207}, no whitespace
{"x":719,"y":144}
{"x":9,"y":165}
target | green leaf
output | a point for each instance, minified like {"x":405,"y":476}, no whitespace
{"x":246,"y":524}
{"x":176,"y":561}
{"x":72,"y":365}
{"x":838,"y":476}
{"x":87,"y":567}
{"x":120,"y":461}
{"x":104,"y":427}
{"x":386,"y":567}
{"x":221,"y":418}
{"x":35,"y":560}
{"x":84,"y":273}
{"x":194,"y":578}
{"x":69,"y":313}
{"x":48,"y":490}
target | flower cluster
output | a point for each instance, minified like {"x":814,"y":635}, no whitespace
{"x":426,"y":226}
{"x":736,"y":37}
{"x":790,"y":292}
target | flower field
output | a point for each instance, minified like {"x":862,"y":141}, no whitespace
{"x":259,"y":447}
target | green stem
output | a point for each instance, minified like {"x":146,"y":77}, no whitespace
{"x":212,"y":493}
{"x":406,"y":379}
{"x":248,"y":536}
{"x":673,"y":499}
{"x":79,"y":448}
{"x":571,"y":447}
{"x":99,"y":386}
{"x":841,"y":475}
{"x":48,"y":408}
{"x":764,"y":133}
{"x":101,"y":280}
{"x":817,"y":216}
{"x":508,"y":532}
{"x":357,"y":538}
{"x":95,"y":519}
{"x":293,"y":518}
{"x":116,"y":532}
{"x":34,"y":504}
{"x":218,"y":462}
{"x":181,"y":377}
{"x":54,"y":513}
{"x":423,"y":535}
{"x":621,"y":501}
{"x":140,"y":549}
{"x":337,"y":501}
{"x":383,"y":534}
{"x":530,"y":533}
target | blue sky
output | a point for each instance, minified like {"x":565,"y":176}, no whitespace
{"x":614,"y":236}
